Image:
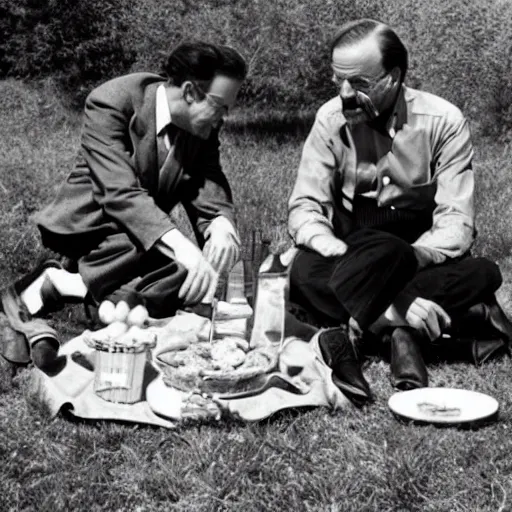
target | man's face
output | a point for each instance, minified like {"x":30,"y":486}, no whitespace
{"x":366,"y":89}
{"x":209,"y":107}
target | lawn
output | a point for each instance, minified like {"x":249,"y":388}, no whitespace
{"x":308,"y":460}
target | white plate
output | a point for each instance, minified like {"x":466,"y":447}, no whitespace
{"x":443,"y":405}
{"x":163,"y":399}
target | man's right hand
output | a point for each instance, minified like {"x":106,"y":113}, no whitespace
{"x":328,"y":246}
{"x":201,"y":281}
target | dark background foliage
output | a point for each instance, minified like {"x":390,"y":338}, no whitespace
{"x":79,"y":43}
{"x":459,"y":49}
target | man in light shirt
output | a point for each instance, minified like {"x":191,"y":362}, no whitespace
{"x":148,"y":143}
{"x":383,"y":212}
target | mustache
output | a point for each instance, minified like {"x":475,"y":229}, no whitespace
{"x":360,"y":100}
{"x":350,"y":103}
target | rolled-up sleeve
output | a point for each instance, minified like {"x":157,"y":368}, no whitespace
{"x":310,"y":206}
{"x":453,"y":226}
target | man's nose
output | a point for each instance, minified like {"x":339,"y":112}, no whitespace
{"x":346,"y":90}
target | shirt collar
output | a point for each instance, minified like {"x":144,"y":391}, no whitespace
{"x":399,"y":115}
{"x":163,"y":114}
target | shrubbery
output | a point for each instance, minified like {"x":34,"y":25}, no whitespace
{"x":459,"y":49}
{"x":80,"y":43}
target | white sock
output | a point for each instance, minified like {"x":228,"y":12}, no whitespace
{"x":31,"y":296}
{"x":66,"y":283}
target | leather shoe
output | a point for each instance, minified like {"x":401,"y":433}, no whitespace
{"x":408,"y":370}
{"x":339,"y":354}
{"x":484,"y":321}
{"x":476,"y":351}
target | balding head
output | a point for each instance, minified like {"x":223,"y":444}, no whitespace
{"x":392,"y":52}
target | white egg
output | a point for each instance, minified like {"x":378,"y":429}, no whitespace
{"x":116,"y":329}
{"x":138,"y":315}
{"x":121,"y":312}
{"x":106,"y":312}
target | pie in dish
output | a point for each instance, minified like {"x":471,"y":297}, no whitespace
{"x":225,"y":366}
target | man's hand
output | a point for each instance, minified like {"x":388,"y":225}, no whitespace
{"x":328,"y":245}
{"x":222,"y":247}
{"x":201,"y":281}
{"x":427,"y":317}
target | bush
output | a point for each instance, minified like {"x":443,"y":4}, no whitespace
{"x":458,"y":49}
{"x":80,"y":43}
{"x":461,"y":51}
{"x":285,"y":42}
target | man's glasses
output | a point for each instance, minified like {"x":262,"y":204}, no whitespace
{"x":214,"y":101}
{"x":361,"y":84}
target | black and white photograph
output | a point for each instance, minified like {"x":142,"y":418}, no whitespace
{"x":256,"y":255}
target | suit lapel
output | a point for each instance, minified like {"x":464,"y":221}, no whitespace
{"x":143,"y":133}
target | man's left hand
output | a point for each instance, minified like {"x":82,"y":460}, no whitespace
{"x":427,"y":317}
{"x":222,"y":247}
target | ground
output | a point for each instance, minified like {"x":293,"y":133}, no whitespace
{"x":308,"y":460}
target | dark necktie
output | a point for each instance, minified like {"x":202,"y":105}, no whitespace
{"x":168,"y":160}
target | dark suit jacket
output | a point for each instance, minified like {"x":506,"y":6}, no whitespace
{"x":114,"y":186}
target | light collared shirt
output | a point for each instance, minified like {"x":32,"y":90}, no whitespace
{"x":163,"y":115}
{"x":422,"y":161}
{"x":163,"y":120}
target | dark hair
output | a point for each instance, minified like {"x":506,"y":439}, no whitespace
{"x":202,"y":61}
{"x":393,"y":51}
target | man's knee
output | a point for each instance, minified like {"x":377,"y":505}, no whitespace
{"x":486,"y":273}
{"x":306,"y":267}
{"x":374,"y":248}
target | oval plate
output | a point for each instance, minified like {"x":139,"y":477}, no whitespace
{"x":443,"y":405}
{"x":164,"y":400}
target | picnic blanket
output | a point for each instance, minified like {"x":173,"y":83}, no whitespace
{"x":301,"y":378}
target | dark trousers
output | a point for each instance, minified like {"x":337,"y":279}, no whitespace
{"x":117,"y":270}
{"x":378,"y":266}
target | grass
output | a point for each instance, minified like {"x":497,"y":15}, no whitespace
{"x":308,"y":460}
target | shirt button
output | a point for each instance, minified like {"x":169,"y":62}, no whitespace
{"x":386,"y":180}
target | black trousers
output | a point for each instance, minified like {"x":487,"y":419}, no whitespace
{"x":378,"y":266}
{"x":117,"y":270}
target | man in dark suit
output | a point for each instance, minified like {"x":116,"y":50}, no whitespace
{"x":148,"y":143}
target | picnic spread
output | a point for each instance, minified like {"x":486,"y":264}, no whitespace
{"x":231,"y":362}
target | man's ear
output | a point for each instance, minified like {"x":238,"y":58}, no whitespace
{"x":396,"y":74}
{"x":187,"y":92}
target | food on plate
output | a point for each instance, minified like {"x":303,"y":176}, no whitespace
{"x":227,"y":355}
{"x":225,"y":365}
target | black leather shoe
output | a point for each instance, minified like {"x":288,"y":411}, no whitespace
{"x":339,"y":354}
{"x":484,"y":321}
{"x":476,"y":351}
{"x":408,"y":370}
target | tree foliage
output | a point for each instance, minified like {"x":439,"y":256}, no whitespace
{"x":80,"y":43}
{"x":460,"y":49}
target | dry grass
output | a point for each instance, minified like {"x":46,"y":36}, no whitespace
{"x":310,"y":460}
